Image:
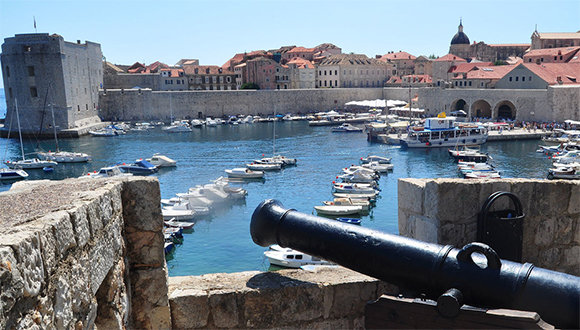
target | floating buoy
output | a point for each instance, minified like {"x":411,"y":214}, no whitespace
{"x":337,"y":176}
{"x":333,"y":182}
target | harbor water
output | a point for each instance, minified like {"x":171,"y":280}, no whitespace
{"x":221,"y":242}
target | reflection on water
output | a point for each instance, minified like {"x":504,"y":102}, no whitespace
{"x":222,"y":242}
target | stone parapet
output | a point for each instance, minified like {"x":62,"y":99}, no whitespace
{"x":444,"y":211}
{"x":328,"y":297}
{"x":64,"y":261}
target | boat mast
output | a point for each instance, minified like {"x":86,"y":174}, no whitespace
{"x":19,"y":130}
{"x":274,"y":134}
{"x":54,"y":126}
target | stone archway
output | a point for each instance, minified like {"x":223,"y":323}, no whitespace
{"x":459,"y":105}
{"x":481,"y":109}
{"x":505,"y":110}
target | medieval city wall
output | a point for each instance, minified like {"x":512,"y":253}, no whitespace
{"x":145,"y":104}
{"x":444,"y":211}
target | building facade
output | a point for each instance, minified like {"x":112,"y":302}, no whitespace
{"x":351,"y":70}
{"x":41,"y":69}
{"x":209,"y":78}
{"x":404,"y":63}
{"x":173,"y":80}
{"x":555,"y":40}
{"x":302,"y":73}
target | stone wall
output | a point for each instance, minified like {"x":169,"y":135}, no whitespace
{"x":444,"y":211}
{"x":145,"y":104}
{"x":81,"y":253}
{"x":327,"y":298}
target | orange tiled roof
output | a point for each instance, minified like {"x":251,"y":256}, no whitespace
{"x":488,"y":72}
{"x":449,"y":58}
{"x":568,"y":73}
{"x":419,"y":78}
{"x":301,"y":50}
{"x":564,"y":51}
{"x":394,"y":80}
{"x":465,"y":67}
{"x":301,"y":63}
{"x":173,"y":72}
{"x":509,"y":45}
{"x":398,"y":56}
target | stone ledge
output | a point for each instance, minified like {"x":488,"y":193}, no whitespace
{"x":320,"y":298}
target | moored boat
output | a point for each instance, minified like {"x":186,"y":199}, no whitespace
{"x":12,"y":174}
{"x":285,"y":257}
{"x":160,"y":160}
{"x":244,"y":173}
{"x":443,"y":131}
{"x":347,"y":128}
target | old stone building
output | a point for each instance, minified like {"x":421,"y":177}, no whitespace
{"x":173,"y":79}
{"x":40,"y":69}
{"x":403,"y":62}
{"x":302,"y":73}
{"x":553,"y":55}
{"x":351,"y":70}
{"x":209,"y":77}
{"x":423,"y":65}
{"x":441,"y":67}
{"x":555,"y":40}
{"x":460,"y":46}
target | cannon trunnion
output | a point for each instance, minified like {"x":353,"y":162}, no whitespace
{"x":473,"y":275}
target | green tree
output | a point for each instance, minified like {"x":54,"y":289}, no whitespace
{"x":432,"y":57}
{"x":250,"y":86}
{"x":500,"y":62}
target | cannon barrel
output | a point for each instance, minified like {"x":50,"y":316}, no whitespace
{"x":473,"y":275}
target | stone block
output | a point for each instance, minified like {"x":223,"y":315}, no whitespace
{"x":27,"y":252}
{"x":105,"y":206}
{"x":425,"y":229}
{"x":80,"y":221}
{"x":145,"y":248}
{"x":224,"y":309}
{"x":551,"y":198}
{"x":81,"y":294}
{"x":452,"y":234}
{"x":189,"y":308}
{"x":572,"y":257}
{"x":149,"y":298}
{"x":544,"y":233}
{"x":410,"y":195}
{"x":456,"y":201}
{"x":141,"y":207}
{"x":563,"y":231}
{"x":94,"y":217}
{"x":63,"y":232}
{"x":549,"y":258}
{"x":102,"y":257}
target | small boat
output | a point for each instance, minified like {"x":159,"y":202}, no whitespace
{"x":375,"y":158}
{"x":31,"y":163}
{"x":168,"y":247}
{"x":355,"y":188}
{"x":482,"y":175}
{"x":264,"y":166}
{"x":177,"y":128}
{"x":197,"y":123}
{"x":177,"y":214}
{"x":48,"y":169}
{"x":64,"y":156}
{"x":564,"y":172}
{"x":354,"y":221}
{"x":291,"y":258}
{"x":160,"y":160}
{"x":107,"y":131}
{"x":358,"y":176}
{"x":337,"y":210}
{"x":346,"y":201}
{"x":370,"y":196}
{"x":443,"y":131}
{"x":376,"y":166}
{"x":244,"y":173}
{"x":346,"y":128}
{"x":12,"y":174}
{"x":179,"y":224}
{"x":285,"y":160}
{"x":567,"y":157}
{"x":140,"y":167}
{"x":106,"y":172}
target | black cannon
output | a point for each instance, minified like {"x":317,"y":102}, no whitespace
{"x":450,"y":276}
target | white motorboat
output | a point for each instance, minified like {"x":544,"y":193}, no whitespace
{"x":106,"y":172}
{"x":565,"y":171}
{"x":355,"y":188}
{"x":209,"y":122}
{"x":31,"y":163}
{"x":197,"y":123}
{"x":370,"y":196}
{"x":244,"y":173}
{"x":285,"y":160}
{"x":264,"y":166}
{"x":291,"y":258}
{"x":444,"y":131}
{"x":376,"y":166}
{"x":469,"y":154}
{"x":338,"y":210}
{"x":178,"y":214}
{"x":375,"y":158}
{"x":12,"y":174}
{"x":64,"y":156}
{"x":107,"y":131}
{"x":567,"y":157}
{"x":234,"y":193}
{"x":482,"y":175}
{"x":248,"y":119}
{"x":346,"y":128}
{"x":179,"y":224}
{"x":358,"y":176}
{"x":177,"y":128}
{"x":364,"y":203}
{"x":160,"y":160}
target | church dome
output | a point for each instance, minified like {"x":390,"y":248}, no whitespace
{"x":460,"y":38}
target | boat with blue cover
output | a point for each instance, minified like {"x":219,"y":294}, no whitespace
{"x":354,"y":221}
{"x":140,"y":167}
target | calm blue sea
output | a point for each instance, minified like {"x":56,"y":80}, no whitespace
{"x":222,"y":243}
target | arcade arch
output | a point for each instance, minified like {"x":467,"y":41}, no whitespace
{"x":505,"y":110}
{"x":459,"y":105}
{"x":481,"y":109}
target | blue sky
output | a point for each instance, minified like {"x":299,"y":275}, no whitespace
{"x":213,"y":31}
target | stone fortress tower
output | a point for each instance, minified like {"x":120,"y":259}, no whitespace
{"x":460,"y":43}
{"x":43,"y":72}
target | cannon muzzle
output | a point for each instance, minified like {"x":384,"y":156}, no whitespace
{"x":474,"y":275}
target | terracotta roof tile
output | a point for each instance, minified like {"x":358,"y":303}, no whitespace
{"x":450,"y":58}
{"x":465,"y":67}
{"x":301,"y":50}
{"x":568,"y":73}
{"x":398,"y":56}
{"x":301,"y":63}
{"x":488,"y":72}
{"x":205,"y":69}
{"x":564,"y":51}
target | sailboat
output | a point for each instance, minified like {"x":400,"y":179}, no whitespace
{"x":279,"y":158}
{"x":62,"y":156}
{"x":178,"y":126}
{"x":7,"y":174}
{"x":32,"y":163}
